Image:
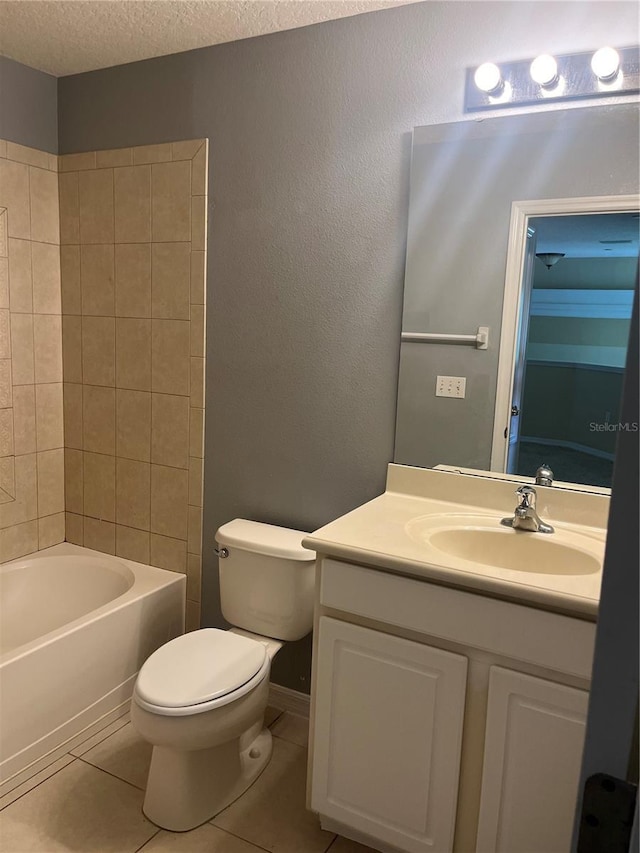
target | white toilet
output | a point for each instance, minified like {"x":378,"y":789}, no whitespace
{"x":200,"y":699}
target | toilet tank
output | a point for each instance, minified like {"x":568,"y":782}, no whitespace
{"x":267,"y":579}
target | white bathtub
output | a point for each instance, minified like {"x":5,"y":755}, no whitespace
{"x":75,"y":627}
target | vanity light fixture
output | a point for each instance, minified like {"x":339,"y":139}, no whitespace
{"x":604,"y":73}
{"x":605,"y":63}
{"x":544,"y":70}
{"x":488,"y":78}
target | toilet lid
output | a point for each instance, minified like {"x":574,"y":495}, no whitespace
{"x":199,"y":667}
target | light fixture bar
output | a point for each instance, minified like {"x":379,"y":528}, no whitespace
{"x":575,"y":78}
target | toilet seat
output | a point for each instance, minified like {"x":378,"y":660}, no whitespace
{"x":199,"y":671}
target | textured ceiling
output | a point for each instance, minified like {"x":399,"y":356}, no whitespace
{"x":71,"y":36}
{"x":607,"y":235}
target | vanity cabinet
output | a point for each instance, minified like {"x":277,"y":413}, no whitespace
{"x":533,"y":747}
{"x":390,"y":711}
{"x":444,"y":720}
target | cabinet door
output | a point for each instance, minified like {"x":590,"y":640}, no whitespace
{"x":533,"y":748}
{"x":388,"y":728}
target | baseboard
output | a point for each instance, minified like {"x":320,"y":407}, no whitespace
{"x":289,"y":700}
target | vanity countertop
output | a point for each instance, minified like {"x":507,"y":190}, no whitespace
{"x":389,"y":533}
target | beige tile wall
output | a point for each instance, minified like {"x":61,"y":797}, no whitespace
{"x":133,"y":241}
{"x":31,"y":399}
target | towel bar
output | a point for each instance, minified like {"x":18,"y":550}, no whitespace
{"x":480,"y":340}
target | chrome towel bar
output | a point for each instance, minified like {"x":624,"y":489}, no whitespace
{"x":480,"y":340}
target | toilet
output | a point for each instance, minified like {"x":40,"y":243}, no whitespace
{"x":200,"y":699}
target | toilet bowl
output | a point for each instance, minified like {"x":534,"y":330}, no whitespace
{"x":200,"y":699}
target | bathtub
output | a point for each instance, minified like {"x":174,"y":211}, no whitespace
{"x":75,"y":627}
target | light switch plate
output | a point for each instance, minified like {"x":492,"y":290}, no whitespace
{"x":451,"y":386}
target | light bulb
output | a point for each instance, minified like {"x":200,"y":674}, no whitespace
{"x":544,"y":70}
{"x":488,"y":78}
{"x":605,"y":63}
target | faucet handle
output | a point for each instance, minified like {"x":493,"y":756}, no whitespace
{"x":527,"y":495}
{"x":544,"y":475}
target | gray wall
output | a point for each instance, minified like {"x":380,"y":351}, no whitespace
{"x":588,"y":274}
{"x":310,"y":141}
{"x":28,"y":106}
{"x":586,"y":331}
{"x":561,"y":401}
{"x":464,"y":178}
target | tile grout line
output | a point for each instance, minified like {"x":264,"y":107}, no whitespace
{"x":68,"y":754}
{"x":109,"y":773}
{"x":106,"y":737}
{"x":82,"y":383}
{"x":148,"y":841}
{"x":37,"y":785}
{"x":150,"y":244}
{"x":33,"y":350}
{"x":115,"y":362}
{"x":118,"y":242}
{"x":234,"y":835}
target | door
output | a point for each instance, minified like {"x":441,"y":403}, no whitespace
{"x":521,"y":215}
{"x":533,"y":747}
{"x":515,"y":414}
{"x":610,"y":745}
{"x":388,"y":732}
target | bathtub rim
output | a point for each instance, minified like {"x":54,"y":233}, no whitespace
{"x":146,"y":580}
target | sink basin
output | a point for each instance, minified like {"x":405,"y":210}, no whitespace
{"x":482,"y":540}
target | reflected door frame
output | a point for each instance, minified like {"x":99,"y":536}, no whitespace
{"x":515,"y":296}
{"x":520,"y":359}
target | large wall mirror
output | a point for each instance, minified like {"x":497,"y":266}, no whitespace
{"x":488,"y":201}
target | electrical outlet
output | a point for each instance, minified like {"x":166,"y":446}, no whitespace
{"x":451,"y":386}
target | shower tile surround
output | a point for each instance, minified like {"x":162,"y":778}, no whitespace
{"x":31,"y":403}
{"x":133,"y":259}
{"x":109,"y":295}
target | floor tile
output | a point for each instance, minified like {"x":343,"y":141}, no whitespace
{"x":204,"y":839}
{"x":34,"y":781}
{"x":123,"y":754}
{"x":95,"y":739}
{"x":293,"y":728}
{"x":345,"y":845}
{"x":80,"y":809}
{"x":272,"y":813}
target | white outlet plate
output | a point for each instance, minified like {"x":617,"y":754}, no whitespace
{"x":451,"y":386}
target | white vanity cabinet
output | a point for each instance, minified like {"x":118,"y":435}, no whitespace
{"x":390,"y":711}
{"x":444,"y":720}
{"x":533,"y":747}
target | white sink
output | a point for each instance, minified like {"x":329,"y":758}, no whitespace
{"x":482,"y":540}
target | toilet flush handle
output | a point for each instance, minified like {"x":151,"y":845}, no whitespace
{"x":222,"y":552}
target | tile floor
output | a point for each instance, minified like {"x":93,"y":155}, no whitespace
{"x":90,"y":801}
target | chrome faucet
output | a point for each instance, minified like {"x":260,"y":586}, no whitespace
{"x":525,"y":516}
{"x":544,"y":475}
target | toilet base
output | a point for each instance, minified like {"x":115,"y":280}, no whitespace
{"x":188,"y":788}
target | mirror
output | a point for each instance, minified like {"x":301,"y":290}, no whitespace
{"x":578,"y":281}
{"x":465,"y":179}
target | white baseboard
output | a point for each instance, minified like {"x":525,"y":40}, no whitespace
{"x":289,"y":700}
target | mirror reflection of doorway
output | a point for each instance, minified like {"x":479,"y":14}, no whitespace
{"x":568,"y":378}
